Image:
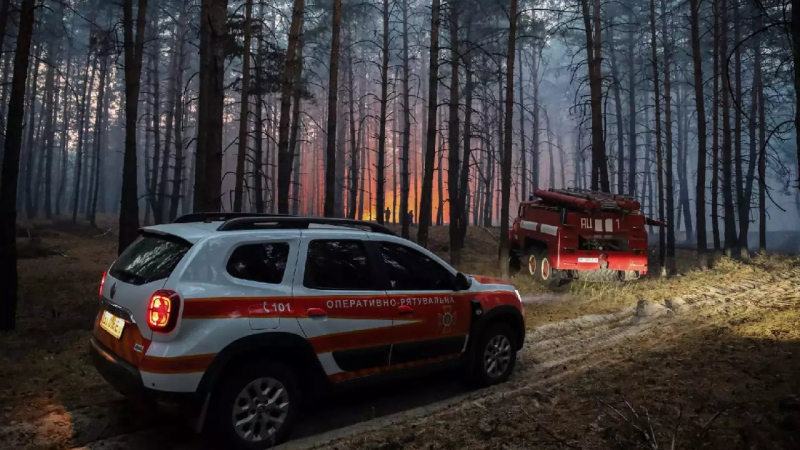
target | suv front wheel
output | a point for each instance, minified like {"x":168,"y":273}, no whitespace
{"x":257,"y":405}
{"x":495,"y":355}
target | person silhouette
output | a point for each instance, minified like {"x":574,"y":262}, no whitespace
{"x":411,"y":217}
{"x":387,"y":214}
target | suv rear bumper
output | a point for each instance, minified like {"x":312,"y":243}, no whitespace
{"x":123,"y":376}
{"x":126,"y":378}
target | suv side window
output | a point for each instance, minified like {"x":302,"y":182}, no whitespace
{"x":410,"y":270}
{"x":264,"y":263}
{"x":337,"y":265}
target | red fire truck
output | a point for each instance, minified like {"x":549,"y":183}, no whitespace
{"x":570,"y":233}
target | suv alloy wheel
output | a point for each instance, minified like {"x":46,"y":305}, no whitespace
{"x":256,"y":406}
{"x":495,"y":355}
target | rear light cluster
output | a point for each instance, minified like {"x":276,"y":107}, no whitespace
{"x":103,"y":283}
{"x":162,"y":311}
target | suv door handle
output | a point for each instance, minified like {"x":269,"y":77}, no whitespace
{"x":316,"y":313}
{"x":405,"y":310}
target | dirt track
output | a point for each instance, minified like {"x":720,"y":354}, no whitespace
{"x":553,"y":356}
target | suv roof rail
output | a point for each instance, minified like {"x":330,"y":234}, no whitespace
{"x":220,"y":216}
{"x":297,"y":222}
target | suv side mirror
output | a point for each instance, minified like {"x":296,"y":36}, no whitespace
{"x":462,"y":282}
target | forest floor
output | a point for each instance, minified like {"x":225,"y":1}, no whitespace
{"x":708,"y":359}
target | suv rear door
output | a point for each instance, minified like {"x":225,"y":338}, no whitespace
{"x":140,"y":271}
{"x":341,"y":307}
{"x":431,"y":320}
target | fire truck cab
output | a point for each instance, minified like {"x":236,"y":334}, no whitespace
{"x":578,"y":234}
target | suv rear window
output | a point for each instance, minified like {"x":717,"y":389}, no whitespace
{"x":149,"y":258}
{"x":264,"y":263}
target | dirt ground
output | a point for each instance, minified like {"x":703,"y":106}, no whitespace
{"x":714,"y":368}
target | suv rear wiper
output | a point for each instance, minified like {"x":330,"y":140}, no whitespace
{"x":132,"y":277}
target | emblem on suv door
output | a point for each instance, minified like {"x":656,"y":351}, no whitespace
{"x":448,"y":319}
{"x":113,"y":290}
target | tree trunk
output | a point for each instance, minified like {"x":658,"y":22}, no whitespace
{"x":463,"y":187}
{"x":297,"y":89}
{"x":727,"y":180}
{"x":62,"y":179}
{"x":177,"y":174}
{"x":152,"y":195}
{"x":333,"y":92}
{"x":744,"y":206}
{"x":523,"y":153}
{"x":293,"y":63}
{"x":353,"y":175}
{"x":88,"y":82}
{"x":244,"y":109}
{"x":453,"y":141}
{"x":795,"y":35}
{"x":551,"y":155}
{"x":4,"y":7}
{"x":163,"y":206}
{"x":593,"y":50}
{"x":505,"y":189}
{"x":8,"y":188}
{"x":742,"y":203}
{"x":617,"y":83}
{"x":535,"y":117}
{"x":715,"y":135}
{"x":632,"y":107}
{"x":129,"y":204}
{"x":670,"y":204}
{"x":208,"y":153}
{"x":440,"y":175}
{"x":49,"y":133}
{"x":30,"y":145}
{"x":98,"y":122}
{"x":488,"y":171}
{"x":699,"y":96}
{"x":683,"y":169}
{"x":660,"y":162}
{"x":381,"y":182}
{"x":426,"y":202}
{"x":762,"y":160}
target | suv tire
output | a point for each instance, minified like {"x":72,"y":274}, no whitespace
{"x":495,"y":355}
{"x":264,"y":398}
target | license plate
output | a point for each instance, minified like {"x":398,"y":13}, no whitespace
{"x":587,"y":260}
{"x":112,"y":324}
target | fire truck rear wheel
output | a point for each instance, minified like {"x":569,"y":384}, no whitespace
{"x":256,"y":406}
{"x":545,"y":273}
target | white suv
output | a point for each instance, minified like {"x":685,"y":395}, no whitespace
{"x":246,"y":314}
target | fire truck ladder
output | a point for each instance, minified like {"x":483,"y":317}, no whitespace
{"x":607,"y":201}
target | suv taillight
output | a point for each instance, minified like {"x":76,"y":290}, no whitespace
{"x":162,"y":311}
{"x":103,"y":283}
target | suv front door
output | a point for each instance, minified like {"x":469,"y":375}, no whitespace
{"x":342,"y":309}
{"x":431,"y":320}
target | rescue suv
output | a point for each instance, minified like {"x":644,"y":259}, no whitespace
{"x":245,"y":315}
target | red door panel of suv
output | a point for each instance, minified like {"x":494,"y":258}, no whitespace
{"x":431,"y":320}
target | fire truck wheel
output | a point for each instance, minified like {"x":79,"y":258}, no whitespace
{"x":548,"y":275}
{"x":533,"y":264}
{"x":495,"y":355}
{"x":256,"y":406}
